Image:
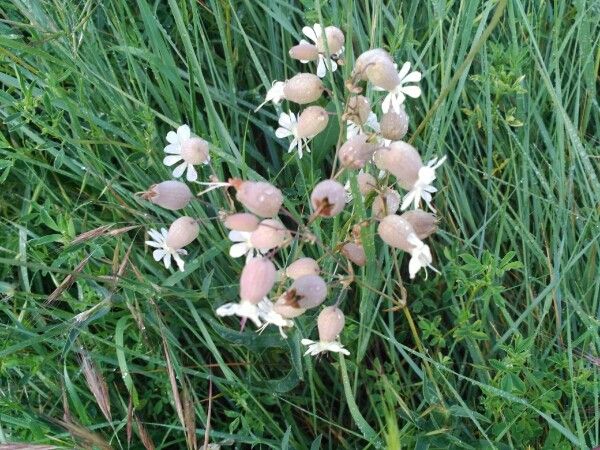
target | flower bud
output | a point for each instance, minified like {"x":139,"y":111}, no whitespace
{"x":366,"y":183}
{"x":394,"y":231}
{"x":308,"y":291}
{"x":170,"y":194}
{"x":424,"y":223}
{"x":330,"y":323}
{"x":394,"y":125}
{"x":241,"y":222}
{"x":335,"y":40}
{"x":383,"y":74}
{"x":356,"y":152}
{"x":285,"y":310}
{"x":194,"y":150}
{"x":328,"y":198}
{"x":369,"y":58}
{"x":358,"y":109}
{"x":304,"y":52}
{"x":269,"y":234}
{"x":257,"y":279}
{"x":303,"y":88}
{"x":355,"y":253}
{"x":386,"y":203}
{"x":301,"y":267}
{"x":402,"y":160}
{"x":260,"y":197}
{"x":312,"y":121}
{"x":181,"y":232}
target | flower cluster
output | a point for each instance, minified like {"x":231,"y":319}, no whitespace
{"x":374,"y":157}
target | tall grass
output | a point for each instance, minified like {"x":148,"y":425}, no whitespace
{"x":499,"y":351}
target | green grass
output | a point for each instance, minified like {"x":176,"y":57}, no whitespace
{"x":499,"y":351}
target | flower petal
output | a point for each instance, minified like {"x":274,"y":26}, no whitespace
{"x":404,"y":70}
{"x":174,"y":149}
{"x":238,"y":236}
{"x":413,"y":77}
{"x":192,"y":174}
{"x":167,"y":261}
{"x":285,"y":120}
{"x":412,"y":91}
{"x":184,"y":132}
{"x":385,"y":105}
{"x":153,"y":244}
{"x":179,"y":170}
{"x":282,"y":133}
{"x":158,"y":254}
{"x":180,"y":263}
{"x":321,"y":68}
{"x":239,"y":249}
{"x":171,"y":159}
{"x":310,"y":33}
{"x":172,"y":137}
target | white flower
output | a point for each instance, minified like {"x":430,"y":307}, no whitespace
{"x":243,"y":309}
{"x":288,"y":126}
{"x":420,"y":256}
{"x":422,"y":188}
{"x":325,"y":62}
{"x":352,"y":129}
{"x":274,"y":94}
{"x":316,"y":347}
{"x":163,"y":251}
{"x":174,"y":149}
{"x":395,"y":98}
{"x":266,"y":313}
{"x":242,"y":245}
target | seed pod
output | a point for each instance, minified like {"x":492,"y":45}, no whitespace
{"x":383,"y":74}
{"x":355,"y":253}
{"x":424,"y":223}
{"x":328,"y":198}
{"x":386,"y":204}
{"x":301,"y":267}
{"x":303,"y":88}
{"x":366,"y":183}
{"x":260,"y":197}
{"x":356,"y":152}
{"x":304,"y":52}
{"x":257,"y":279}
{"x":402,"y":160}
{"x":330,"y":323}
{"x":285,"y":310}
{"x":269,"y":234}
{"x":394,"y":231}
{"x":367,"y":59}
{"x":308,"y":291}
{"x":394,"y":126}
{"x":194,"y":150}
{"x":170,"y":194}
{"x":241,"y":222}
{"x":181,"y":232}
{"x":335,"y":40}
{"x":358,"y":109}
{"x":312,"y":121}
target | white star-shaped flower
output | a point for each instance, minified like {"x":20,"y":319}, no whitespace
{"x":243,"y":245}
{"x":288,"y":126}
{"x":189,"y":149}
{"x":163,"y":251}
{"x":270,"y":317}
{"x":420,"y":256}
{"x":396,"y":97}
{"x":243,"y":309}
{"x":274,"y":94}
{"x":316,"y":347}
{"x":324,"y":63}
{"x":423,"y":188}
